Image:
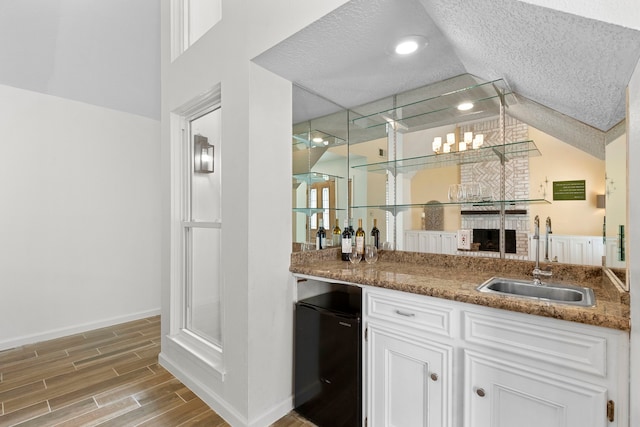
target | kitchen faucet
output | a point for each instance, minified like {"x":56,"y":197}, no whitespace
{"x":546,"y":240}
{"x":537,"y":272}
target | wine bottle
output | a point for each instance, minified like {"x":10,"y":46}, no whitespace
{"x":346,"y":241}
{"x":375,"y":234}
{"x":321,"y":236}
{"x":337,"y":234}
{"x":360,"y":234}
{"x":352,"y":231}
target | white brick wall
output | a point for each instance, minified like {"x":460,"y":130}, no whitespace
{"x":488,"y":174}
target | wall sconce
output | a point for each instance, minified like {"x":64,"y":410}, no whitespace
{"x":611,"y":187}
{"x":202,"y":155}
{"x":601,"y":201}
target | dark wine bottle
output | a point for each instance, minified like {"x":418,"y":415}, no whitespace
{"x":346,"y":241}
{"x":321,"y":236}
{"x":375,"y":234}
{"x":360,"y":235}
{"x":352,"y":231}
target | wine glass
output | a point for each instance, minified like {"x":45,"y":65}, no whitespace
{"x":473,"y":192}
{"x":355,"y":256}
{"x":453,"y":193}
{"x":462,"y":193}
{"x":370,"y":254}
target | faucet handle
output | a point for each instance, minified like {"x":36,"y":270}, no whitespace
{"x":546,"y":273}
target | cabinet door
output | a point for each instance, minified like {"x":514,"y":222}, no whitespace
{"x":499,"y":394}
{"x":411,"y":241}
{"x":560,"y":248}
{"x":597,"y":250}
{"x":430,"y":242}
{"x":409,"y":381}
{"x":581,"y":252}
{"x":449,"y":243}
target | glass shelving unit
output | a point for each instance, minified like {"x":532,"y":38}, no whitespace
{"x":493,"y":203}
{"x":313,"y":177}
{"x":484,"y":153}
{"x":415,"y":109}
{"x":315,"y":138}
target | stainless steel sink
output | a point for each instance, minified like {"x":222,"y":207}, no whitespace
{"x":557,"y":293}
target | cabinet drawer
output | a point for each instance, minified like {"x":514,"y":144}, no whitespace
{"x":569,"y":347}
{"x":409,"y":311}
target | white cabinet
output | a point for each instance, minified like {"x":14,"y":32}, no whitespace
{"x":436,"y":362}
{"x":499,"y":393}
{"x":408,"y":365}
{"x":430,"y":242}
{"x":409,"y":380}
{"x":433,"y":242}
{"x":412,"y":241}
{"x":581,"y":250}
{"x":559,"y":248}
{"x":449,"y":243}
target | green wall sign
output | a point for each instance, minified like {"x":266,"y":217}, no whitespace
{"x":569,"y":190}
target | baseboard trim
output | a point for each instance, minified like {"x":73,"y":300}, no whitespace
{"x":76,"y":329}
{"x":273,"y":414}
{"x":210,"y":397}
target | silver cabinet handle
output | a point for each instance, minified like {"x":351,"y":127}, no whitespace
{"x":480,"y":392}
{"x":434,"y":377}
{"x":404,"y":313}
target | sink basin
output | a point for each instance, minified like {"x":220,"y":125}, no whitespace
{"x":561,"y":294}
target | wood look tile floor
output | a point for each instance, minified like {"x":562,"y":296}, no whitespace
{"x":106,"y":377}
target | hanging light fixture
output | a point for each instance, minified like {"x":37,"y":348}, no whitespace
{"x":468,"y":141}
{"x":437,"y":144}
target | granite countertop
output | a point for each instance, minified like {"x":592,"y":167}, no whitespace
{"x":456,"y":278}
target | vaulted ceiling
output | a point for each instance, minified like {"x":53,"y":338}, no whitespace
{"x":569,"y":73}
{"x":105,"y":53}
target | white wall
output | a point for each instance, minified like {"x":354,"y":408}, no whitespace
{"x":633,"y":234}
{"x":79,"y":223}
{"x":255,"y":387}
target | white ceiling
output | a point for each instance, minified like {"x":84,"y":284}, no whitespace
{"x":105,"y":53}
{"x":556,"y":62}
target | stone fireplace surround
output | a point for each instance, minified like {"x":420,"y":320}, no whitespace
{"x":488,"y":174}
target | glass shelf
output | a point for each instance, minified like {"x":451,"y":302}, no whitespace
{"x":311,"y":211}
{"x":441,"y":109}
{"x":314,"y":177}
{"x":315,"y":138}
{"x":482,"y":154}
{"x":494,"y":203}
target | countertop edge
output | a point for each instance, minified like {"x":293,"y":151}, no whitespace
{"x":585,"y":315}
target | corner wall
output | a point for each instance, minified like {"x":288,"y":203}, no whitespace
{"x":80,"y":220}
{"x":633,"y":194}
{"x":254,"y":385}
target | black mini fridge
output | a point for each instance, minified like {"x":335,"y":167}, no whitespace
{"x":328,"y":366}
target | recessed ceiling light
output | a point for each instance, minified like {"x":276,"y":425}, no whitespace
{"x":409,"y":45}
{"x":465,"y":106}
{"x":317,"y":140}
{"x":406,"y":47}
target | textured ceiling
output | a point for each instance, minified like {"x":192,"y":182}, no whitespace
{"x":569,"y":72}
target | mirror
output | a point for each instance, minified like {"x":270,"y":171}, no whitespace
{"x":319,"y":169}
{"x":615,"y":200}
{"x":426,"y":217}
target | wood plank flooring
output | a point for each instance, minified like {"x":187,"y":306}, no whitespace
{"x":106,"y":377}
